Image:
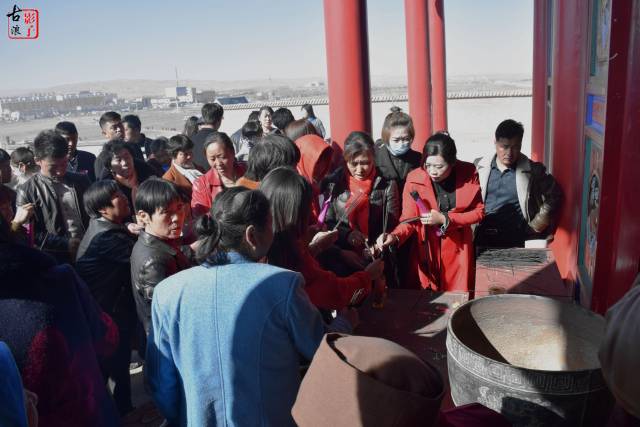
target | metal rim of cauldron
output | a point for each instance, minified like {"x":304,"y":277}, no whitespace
{"x":508,"y":365}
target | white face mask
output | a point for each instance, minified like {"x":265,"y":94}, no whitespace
{"x":398,"y":148}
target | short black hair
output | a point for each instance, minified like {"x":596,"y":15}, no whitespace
{"x":21,"y":155}
{"x":190,"y":126}
{"x":510,"y":129}
{"x":357,"y":143}
{"x":251,"y":129}
{"x":111,"y":149}
{"x":158,"y":144}
{"x":440,"y":144}
{"x":132,"y":121}
{"x":212,"y":113}
{"x":254,"y":116}
{"x":154,"y":194}
{"x":98,"y":196}
{"x":66,"y":128}
{"x":109,"y":116}
{"x":282,"y":117}
{"x":49,"y":144}
{"x":4,"y":156}
{"x":178,"y":143}
{"x":271,"y":152}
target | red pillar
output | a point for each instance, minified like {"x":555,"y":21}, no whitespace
{"x":568,"y":104}
{"x":438,"y":64}
{"x":539,"y":99}
{"x":418,"y":69}
{"x":618,"y":255}
{"x":345,"y":24}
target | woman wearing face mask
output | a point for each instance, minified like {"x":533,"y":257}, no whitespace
{"x":449,"y":190}
{"x":394,"y":156}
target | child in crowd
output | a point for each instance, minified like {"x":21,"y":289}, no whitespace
{"x":103,"y":261}
{"x":183,"y":172}
{"x":157,"y":254}
{"x":157,"y":158}
{"x":23,"y":166}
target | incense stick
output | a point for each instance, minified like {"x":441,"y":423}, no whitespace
{"x":348,"y":210}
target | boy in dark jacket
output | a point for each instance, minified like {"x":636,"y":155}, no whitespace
{"x":157,"y":254}
{"x":104,"y":264}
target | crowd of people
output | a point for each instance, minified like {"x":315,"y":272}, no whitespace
{"x":227,"y":261}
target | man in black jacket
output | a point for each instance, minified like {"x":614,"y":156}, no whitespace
{"x":79,"y":161}
{"x":133,"y":134}
{"x":212,"y":115}
{"x":103,"y":261}
{"x":59,"y":219}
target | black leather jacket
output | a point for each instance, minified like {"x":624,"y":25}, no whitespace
{"x":395,"y":167}
{"x":103,"y":261}
{"x":383,"y":188}
{"x":153,"y":260}
{"x":49,"y":227}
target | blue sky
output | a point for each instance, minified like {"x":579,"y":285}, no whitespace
{"x":237,"y":40}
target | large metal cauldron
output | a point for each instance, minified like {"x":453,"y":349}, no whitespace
{"x":533,"y":359}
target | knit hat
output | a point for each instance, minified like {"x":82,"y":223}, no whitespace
{"x":366,"y":381}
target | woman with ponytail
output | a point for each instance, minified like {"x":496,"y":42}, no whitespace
{"x":290,"y":195}
{"x":229,"y":335}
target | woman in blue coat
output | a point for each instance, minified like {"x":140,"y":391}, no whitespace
{"x":228,"y":336}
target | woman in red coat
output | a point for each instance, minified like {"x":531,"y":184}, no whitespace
{"x":444,"y":198}
{"x":224,"y":172}
{"x":290,"y":197}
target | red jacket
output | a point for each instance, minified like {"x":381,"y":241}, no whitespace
{"x":445,"y":263}
{"x":325,"y":289}
{"x":313,"y":149}
{"x":206,"y":188}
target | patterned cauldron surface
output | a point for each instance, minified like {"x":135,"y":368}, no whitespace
{"x":534,"y":359}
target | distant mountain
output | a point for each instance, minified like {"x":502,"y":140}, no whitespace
{"x":135,"y":88}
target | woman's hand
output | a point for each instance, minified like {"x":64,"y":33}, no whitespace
{"x":23,"y":214}
{"x":385,"y":240}
{"x":352,"y":259}
{"x":322,"y":241}
{"x":432,"y":218}
{"x":134,"y":228}
{"x":356,"y":239}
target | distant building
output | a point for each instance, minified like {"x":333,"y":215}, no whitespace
{"x":205,"y":96}
{"x":162,"y":102}
{"x":52,"y":105}
{"x":181,"y":93}
{"x":229,"y":100}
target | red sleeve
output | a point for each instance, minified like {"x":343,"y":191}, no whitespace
{"x":328,"y":291}
{"x":200,"y":200}
{"x":475,"y":210}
